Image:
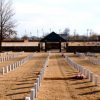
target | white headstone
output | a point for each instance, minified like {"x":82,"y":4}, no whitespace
{"x":3,"y":71}
{"x":33,"y":94}
{"x":91,"y":76}
{"x":27,"y":98}
{"x":35,"y":87}
{"x":6,"y":69}
{"x":96,"y":80}
{"x":38,"y":83}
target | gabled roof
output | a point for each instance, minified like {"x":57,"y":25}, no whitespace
{"x":53,"y":37}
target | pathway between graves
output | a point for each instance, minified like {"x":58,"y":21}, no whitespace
{"x":59,"y":85}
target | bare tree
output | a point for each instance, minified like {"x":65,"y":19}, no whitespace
{"x":94,"y":36}
{"x":66,"y":31}
{"x":7,"y":23}
{"x":25,"y":37}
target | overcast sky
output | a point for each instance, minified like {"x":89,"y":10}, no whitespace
{"x":57,"y":15}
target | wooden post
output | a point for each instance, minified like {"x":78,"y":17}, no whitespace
{"x":66,"y":46}
{"x":39,"y":47}
{"x":45,"y":46}
{"x":60,"y":45}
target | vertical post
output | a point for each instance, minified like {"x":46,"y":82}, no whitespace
{"x":33,"y":94}
{"x":35,"y":86}
{"x":10,"y":67}
{"x":85,"y":73}
{"x":38,"y":83}
{"x":39,"y":47}
{"x":45,"y":46}
{"x":91,"y":76}
{"x":1,"y":33}
{"x":13,"y":66}
{"x":88,"y":74}
{"x":6,"y":69}
{"x":3,"y":71}
{"x":96,"y":80}
{"x":39,"y":79}
{"x":66,"y":46}
{"x":60,"y":45}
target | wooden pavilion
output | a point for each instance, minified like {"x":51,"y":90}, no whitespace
{"x":52,"y":41}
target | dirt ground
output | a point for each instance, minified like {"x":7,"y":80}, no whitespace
{"x":16,"y":85}
{"x":58,"y":83}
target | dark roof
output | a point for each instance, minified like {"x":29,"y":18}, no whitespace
{"x":53,"y":37}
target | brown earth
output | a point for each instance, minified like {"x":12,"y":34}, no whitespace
{"x":16,"y":85}
{"x":58,"y":83}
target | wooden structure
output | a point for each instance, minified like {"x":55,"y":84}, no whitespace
{"x":52,"y":41}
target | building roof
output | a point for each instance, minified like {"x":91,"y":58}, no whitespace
{"x":52,"y":37}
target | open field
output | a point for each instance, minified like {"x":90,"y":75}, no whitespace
{"x":57,"y":84}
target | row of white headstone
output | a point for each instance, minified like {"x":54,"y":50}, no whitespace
{"x":37,"y":83}
{"x":80,"y":54}
{"x":5,"y":53}
{"x":11,"y":56}
{"x":94,"y":61}
{"x":15,"y":65}
{"x":87,"y":73}
{"x":91,"y":54}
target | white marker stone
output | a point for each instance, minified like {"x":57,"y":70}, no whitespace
{"x":27,"y":98}
{"x":3,"y":71}
{"x":33,"y":94}
{"x":35,"y":86}
{"x":96,"y":80}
